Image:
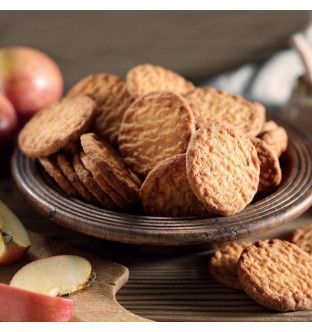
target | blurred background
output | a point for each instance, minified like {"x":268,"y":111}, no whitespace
{"x":197,"y":44}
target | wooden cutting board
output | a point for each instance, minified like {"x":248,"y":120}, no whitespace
{"x":97,"y":302}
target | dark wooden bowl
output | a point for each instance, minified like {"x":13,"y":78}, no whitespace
{"x":291,"y":199}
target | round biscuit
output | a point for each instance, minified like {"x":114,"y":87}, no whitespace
{"x":270,"y":170}
{"x":268,"y":125}
{"x":86,"y":178}
{"x":112,"y":167}
{"x":276,"y":139}
{"x":223,"y":168}
{"x":54,"y":127}
{"x":223,"y":263}
{"x":209,"y":104}
{"x":97,"y":175}
{"x":155,"y":127}
{"x":302,"y":237}
{"x":146,"y":78}
{"x":67,"y":168}
{"x":112,"y":99}
{"x":277,"y":274}
{"x":166,"y":191}
{"x":50,"y":166}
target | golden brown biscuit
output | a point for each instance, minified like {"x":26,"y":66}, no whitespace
{"x":223,"y":168}
{"x":111,"y":166}
{"x":147,"y":78}
{"x":86,"y":178}
{"x":72,"y":148}
{"x":302,"y":237}
{"x":155,"y":127}
{"x":277,"y":274}
{"x":270,"y":170}
{"x":223,"y":263}
{"x":54,"y":127}
{"x":276,"y":139}
{"x":50,"y":166}
{"x":112,"y":99}
{"x":97,"y":175}
{"x":166,"y":191}
{"x":66,"y":167}
{"x":210,"y":104}
{"x":268,"y":125}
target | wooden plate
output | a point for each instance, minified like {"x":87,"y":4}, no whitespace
{"x":291,"y":199}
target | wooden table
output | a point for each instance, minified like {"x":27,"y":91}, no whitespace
{"x":164,"y":287}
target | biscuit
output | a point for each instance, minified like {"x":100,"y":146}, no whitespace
{"x":155,"y":127}
{"x":86,"y":178}
{"x":270,"y":170}
{"x":223,"y":168}
{"x":113,"y":169}
{"x":302,"y":237}
{"x":209,"y":104}
{"x":268,"y":125}
{"x":97,"y":175}
{"x":223,"y":263}
{"x":54,"y":127}
{"x":112,"y":99}
{"x":276,"y":139}
{"x":50,"y":166}
{"x":277,"y":274}
{"x":146,"y":78}
{"x":72,"y":148}
{"x":67,"y":168}
{"x":166,"y":191}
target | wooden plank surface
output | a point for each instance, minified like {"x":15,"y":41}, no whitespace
{"x":169,"y":287}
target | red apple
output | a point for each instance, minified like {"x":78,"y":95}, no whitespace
{"x":8,"y":121}
{"x":14,"y":239}
{"x":29,"y":79}
{"x":8,"y":128}
{"x":19,"y":305}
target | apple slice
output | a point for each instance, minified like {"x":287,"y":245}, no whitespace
{"x":57,"y":275}
{"x":18,"y":305}
{"x":14,"y":239}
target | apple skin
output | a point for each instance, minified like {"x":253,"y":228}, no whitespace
{"x":8,"y":129}
{"x":18,"y":305}
{"x":8,"y":121}
{"x":11,"y":254}
{"x":30,"y":79}
{"x":14,"y":240}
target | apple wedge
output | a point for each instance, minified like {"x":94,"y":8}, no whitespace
{"x":18,"y":305}
{"x":57,"y":275}
{"x":14,"y":239}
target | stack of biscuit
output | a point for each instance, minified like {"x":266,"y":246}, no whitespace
{"x":157,"y":141}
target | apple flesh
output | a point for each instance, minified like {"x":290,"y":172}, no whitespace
{"x":57,"y":275}
{"x":29,"y":79}
{"x":14,"y":239}
{"x":18,"y":305}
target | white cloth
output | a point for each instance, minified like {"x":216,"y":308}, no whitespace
{"x":270,"y":83}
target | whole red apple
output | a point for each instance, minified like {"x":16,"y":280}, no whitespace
{"x":8,"y":128}
{"x":8,"y":120}
{"x":30,"y":79}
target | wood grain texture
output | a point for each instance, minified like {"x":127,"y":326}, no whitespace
{"x":206,"y":42}
{"x":174,"y":286}
{"x":291,"y":199}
